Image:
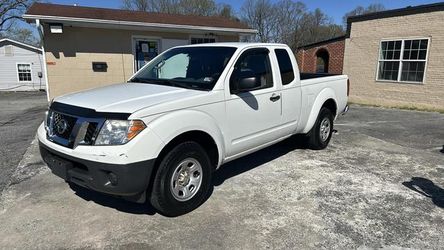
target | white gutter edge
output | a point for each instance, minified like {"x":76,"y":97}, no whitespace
{"x":141,"y":24}
{"x":40,"y":29}
{"x":20,"y":43}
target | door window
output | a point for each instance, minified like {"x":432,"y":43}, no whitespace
{"x":255,"y":62}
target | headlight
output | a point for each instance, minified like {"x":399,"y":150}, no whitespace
{"x":117,"y":132}
{"x":45,"y":122}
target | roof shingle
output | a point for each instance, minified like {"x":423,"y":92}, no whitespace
{"x":44,"y":9}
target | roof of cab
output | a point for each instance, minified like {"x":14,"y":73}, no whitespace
{"x":236,"y":45}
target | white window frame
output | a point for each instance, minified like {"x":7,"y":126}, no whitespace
{"x":401,"y":59}
{"x":203,"y":36}
{"x":17,"y":70}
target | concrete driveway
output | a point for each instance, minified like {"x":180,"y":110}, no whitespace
{"x":379,"y":184}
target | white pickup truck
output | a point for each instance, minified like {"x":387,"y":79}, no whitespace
{"x":184,"y":114}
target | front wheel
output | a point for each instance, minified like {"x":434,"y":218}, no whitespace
{"x":182,"y":181}
{"x":320,"y":134}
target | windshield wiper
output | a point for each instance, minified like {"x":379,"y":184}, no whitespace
{"x":188,"y":85}
{"x":137,"y":79}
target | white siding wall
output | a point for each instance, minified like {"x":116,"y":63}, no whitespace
{"x":8,"y":68}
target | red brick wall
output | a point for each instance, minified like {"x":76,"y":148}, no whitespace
{"x":306,"y":57}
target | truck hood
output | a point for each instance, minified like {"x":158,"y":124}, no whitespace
{"x":126,"y":97}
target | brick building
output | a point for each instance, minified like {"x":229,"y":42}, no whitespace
{"x":396,"y":57}
{"x":393,"y":58}
{"x":322,"y":57}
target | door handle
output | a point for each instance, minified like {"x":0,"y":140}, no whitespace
{"x":275,"y":98}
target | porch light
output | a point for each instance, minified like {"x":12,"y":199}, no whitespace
{"x":56,"y":28}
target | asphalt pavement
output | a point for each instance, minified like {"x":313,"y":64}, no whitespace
{"x":379,"y":184}
{"x":20,"y":115}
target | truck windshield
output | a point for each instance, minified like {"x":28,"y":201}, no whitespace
{"x":188,"y":67}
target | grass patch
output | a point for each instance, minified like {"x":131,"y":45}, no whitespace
{"x":403,"y":107}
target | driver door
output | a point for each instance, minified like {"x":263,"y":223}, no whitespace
{"x":253,"y":114}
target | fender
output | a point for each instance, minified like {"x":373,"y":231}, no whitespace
{"x":165,"y":127}
{"x":320,"y":99}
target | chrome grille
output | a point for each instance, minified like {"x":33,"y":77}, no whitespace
{"x":70,"y":131}
{"x":91,"y":133}
{"x":62,"y":125}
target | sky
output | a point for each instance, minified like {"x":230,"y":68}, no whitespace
{"x":334,"y":8}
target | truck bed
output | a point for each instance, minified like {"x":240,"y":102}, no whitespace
{"x":306,"y":76}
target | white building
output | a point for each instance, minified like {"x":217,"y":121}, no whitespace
{"x":21,"y":67}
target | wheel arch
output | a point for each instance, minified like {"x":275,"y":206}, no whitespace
{"x":194,"y":126}
{"x":326,"y":98}
{"x":198,"y":136}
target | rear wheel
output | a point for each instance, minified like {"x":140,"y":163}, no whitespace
{"x":320,"y":134}
{"x":182,"y":181}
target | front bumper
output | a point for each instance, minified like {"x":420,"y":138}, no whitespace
{"x":127,"y":180}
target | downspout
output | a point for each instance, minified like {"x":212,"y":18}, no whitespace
{"x":45,"y":70}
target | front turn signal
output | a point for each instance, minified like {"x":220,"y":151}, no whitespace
{"x":136,"y":126}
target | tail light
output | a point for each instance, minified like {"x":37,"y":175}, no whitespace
{"x":348,"y":87}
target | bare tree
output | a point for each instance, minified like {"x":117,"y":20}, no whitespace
{"x":163,"y":6}
{"x":186,"y":7}
{"x":225,"y":10}
{"x":289,"y":15}
{"x":142,"y":5}
{"x":314,"y":23}
{"x":288,"y":21}
{"x":11,"y":22}
{"x":285,"y":21}
{"x":316,"y":26}
{"x":198,"y":7}
{"x":167,"y":6}
{"x":11,"y":11}
{"x":260,"y":15}
{"x":22,"y":34}
{"x":362,"y":10}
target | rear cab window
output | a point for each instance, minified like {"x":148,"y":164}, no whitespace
{"x":285,"y":66}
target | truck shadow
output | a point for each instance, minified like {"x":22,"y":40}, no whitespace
{"x":256,"y":159}
{"x":224,"y":173}
{"x":427,"y":188}
{"x":112,"y":201}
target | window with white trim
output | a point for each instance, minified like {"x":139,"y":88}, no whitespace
{"x":196,"y":40}
{"x":403,"y":60}
{"x":24,"y":72}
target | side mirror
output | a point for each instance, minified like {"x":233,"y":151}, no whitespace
{"x":245,"y":81}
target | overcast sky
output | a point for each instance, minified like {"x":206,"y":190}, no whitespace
{"x":334,"y":8}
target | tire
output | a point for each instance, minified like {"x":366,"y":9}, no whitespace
{"x":318,"y":139}
{"x":182,"y":181}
